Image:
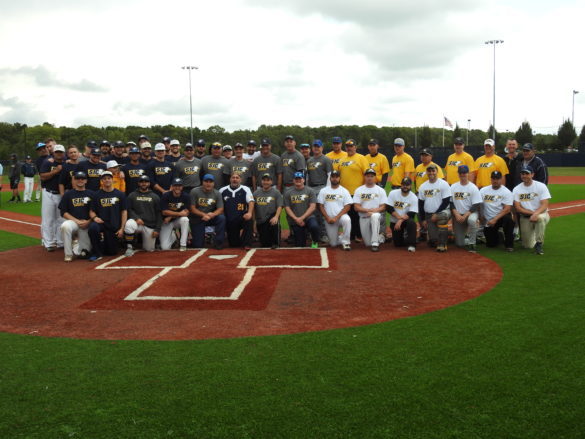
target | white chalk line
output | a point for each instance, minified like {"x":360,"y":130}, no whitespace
{"x":19,"y":221}
{"x":567,"y":207}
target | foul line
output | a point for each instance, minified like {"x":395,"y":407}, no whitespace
{"x":566,"y":207}
{"x":18,"y":221}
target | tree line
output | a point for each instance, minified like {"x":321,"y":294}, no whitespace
{"x":21,"y":139}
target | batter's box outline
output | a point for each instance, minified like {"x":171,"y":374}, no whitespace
{"x":250,"y":270}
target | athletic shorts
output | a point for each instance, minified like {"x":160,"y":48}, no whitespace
{"x":14,"y":183}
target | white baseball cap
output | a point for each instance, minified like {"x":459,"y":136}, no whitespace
{"x":59,"y":148}
{"x":175,"y":142}
{"x":159,"y":147}
{"x":489,"y":142}
{"x":112,"y":164}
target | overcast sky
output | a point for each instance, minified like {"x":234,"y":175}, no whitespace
{"x":301,"y":62}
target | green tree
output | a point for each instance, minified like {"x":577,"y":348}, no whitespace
{"x":426,"y":138}
{"x":582,"y":138}
{"x":524,"y":133}
{"x":566,"y":134}
{"x":457,"y":131}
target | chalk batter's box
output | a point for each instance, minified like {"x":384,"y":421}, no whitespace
{"x":202,"y":279}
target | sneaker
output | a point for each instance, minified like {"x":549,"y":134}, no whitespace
{"x":183,"y":248}
{"x":314,"y":244}
{"x":538,"y":248}
{"x":94,"y":258}
{"x":325,"y":239}
{"x":375,"y":248}
{"x":346,"y":247}
{"x":516,"y":237}
{"x":358,"y":239}
{"x":471,"y":248}
{"x":509,"y":249}
{"x":441,"y":248}
{"x":68,"y":258}
{"x":129,"y":252}
{"x":412,"y":249}
{"x":51,"y":249}
{"x":382,"y":238}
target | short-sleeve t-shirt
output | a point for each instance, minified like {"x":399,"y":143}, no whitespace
{"x":485,"y":166}
{"x":93,"y":172}
{"x":402,"y":204}
{"x":420,"y":174}
{"x":109,"y":206}
{"x":318,"y":168}
{"x":168,"y":201}
{"x":336,"y":157}
{"x":401,"y":164}
{"x":494,"y":200}
{"x":454,"y":161}
{"x":334,"y":200}
{"x":189,"y":171}
{"x":270,"y":164}
{"x":378,"y":163}
{"x":53,"y":183}
{"x":76,"y":203}
{"x":291,"y":163}
{"x":132,"y":173}
{"x":433,"y":194}
{"x":299,"y":200}
{"x":530,"y":197}
{"x":464,"y":196}
{"x":214,"y":166}
{"x":266,"y":204}
{"x":242,"y":167}
{"x":369,"y":197}
{"x":204,"y":201}
{"x":351,"y":170}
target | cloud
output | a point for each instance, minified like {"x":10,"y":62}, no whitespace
{"x":45,"y":78}
{"x":20,"y":111}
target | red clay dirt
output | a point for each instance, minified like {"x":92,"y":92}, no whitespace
{"x":566,"y":179}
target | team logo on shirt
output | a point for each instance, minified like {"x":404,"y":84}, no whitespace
{"x":190,"y":170}
{"x":176,"y":206}
{"x":109,"y":202}
{"x":333,"y":197}
{"x":215,"y":166}
{"x":94,"y":173}
{"x":461,"y":195}
{"x":297,"y":199}
{"x":486,"y":165}
{"x":401,"y":205}
{"x":287,"y":162}
{"x":264,"y":201}
{"x":430,"y":193}
{"x":264,"y":166}
{"x":143,"y":198}
{"x":314,"y":166}
{"x":205,"y":202}
{"x":528,"y":197}
{"x":240,"y":169}
{"x":492,"y":198}
{"x":396,"y":164}
{"x":135,"y":173}
{"x":348,"y":163}
{"x":80,"y":202}
{"x":420,"y":174}
{"x":454,"y":163}
{"x":162,"y":170}
{"x":365,"y":197}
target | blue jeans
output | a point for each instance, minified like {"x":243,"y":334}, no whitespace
{"x":300,"y":233}
{"x":198,"y":230}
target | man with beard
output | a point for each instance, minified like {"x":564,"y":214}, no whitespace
{"x":334,"y":202}
{"x":403,"y":206}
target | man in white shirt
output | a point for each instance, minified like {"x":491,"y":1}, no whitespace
{"x":334,"y":202}
{"x":531,"y":202}
{"x":465,"y":205}
{"x":434,"y":197}
{"x":402,"y":206}
{"x":496,"y":212}
{"x":370,"y":204}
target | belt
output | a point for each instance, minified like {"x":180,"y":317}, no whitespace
{"x":52,"y":192}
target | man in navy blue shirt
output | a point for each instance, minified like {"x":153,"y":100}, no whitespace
{"x":133,"y":170}
{"x":160,"y":171}
{"x":93,"y":168}
{"x":174,"y":206}
{"x":75,"y":206}
{"x":238,"y":205}
{"x":51,"y":220}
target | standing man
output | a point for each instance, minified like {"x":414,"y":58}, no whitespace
{"x":175,"y":151}
{"x":133,"y":170}
{"x":402,"y":164}
{"x":29,"y":171}
{"x":227,"y":152}
{"x":75,"y":206}
{"x":292,"y":161}
{"x":69,"y":168}
{"x":536,"y":163}
{"x":305,"y":151}
{"x":465,"y":205}
{"x":403,"y":206}
{"x":300,"y":203}
{"x":144,"y":217}
{"x":514,"y":162}
{"x":108,"y":214}
{"x":146,"y":152}
{"x":175,"y":206}
{"x":318,"y":169}
{"x":51,"y":219}
{"x":251,"y":152}
{"x":105,"y":148}
{"x":93,"y":168}
{"x":188,"y":169}
{"x":336,"y":153}
{"x":240,"y":165}
{"x":207,"y":210}
{"x":160,"y":171}
{"x":495,"y":212}
{"x":378,"y":162}
{"x":238,"y":205}
{"x":488,"y":163}
{"x":334,"y":203}
{"x":166,"y":141}
{"x":352,"y":168}
{"x":370,"y":203}
{"x":91,"y":144}
{"x":267,"y":208}
{"x":42,"y":155}
{"x":531,"y":203}
{"x":420,"y":172}
{"x":434,"y":197}
{"x":200,"y":149}
{"x":267,"y":163}
{"x":117,"y":153}
{"x":215,"y":164}
{"x":458,"y":158}
{"x":14,"y":172}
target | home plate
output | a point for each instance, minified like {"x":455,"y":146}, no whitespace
{"x":221,"y":257}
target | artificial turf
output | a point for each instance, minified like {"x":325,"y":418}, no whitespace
{"x":9,"y":241}
{"x":507,"y":364}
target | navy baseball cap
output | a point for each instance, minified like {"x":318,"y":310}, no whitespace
{"x":526,"y":170}
{"x":177,"y":182}
{"x":118,"y":144}
{"x":527,"y":147}
{"x":299,"y":174}
{"x":238,"y":145}
{"x":426,"y":151}
{"x":144,"y":178}
{"x":336,"y":140}
{"x":305,"y":145}
{"x":370,"y":171}
{"x":143,"y":136}
{"x":463,"y":169}
{"x":166,"y":139}
{"x":201,"y":142}
{"x":289,"y":137}
{"x":373,"y":142}
{"x":335,"y":172}
{"x":406,"y":181}
{"x":92,"y":143}
{"x":266,"y":141}
{"x":188,"y":146}
{"x":317,"y":142}
{"x":266,"y":176}
{"x":252,"y":142}
{"x":134,"y":150}
{"x":496,"y":174}
{"x":458,"y":141}
{"x":80,"y":174}
{"x":96,"y":151}
{"x":208,"y":177}
{"x":40,"y":145}
{"x":105,"y":142}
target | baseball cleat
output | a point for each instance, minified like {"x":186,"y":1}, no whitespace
{"x":538,"y":248}
{"x":471,"y":248}
{"x":441,"y":248}
{"x":68,"y":258}
{"x":182,"y":248}
{"x":129,"y":252}
{"x":411,"y":249}
{"x":375,"y":248}
{"x":314,"y":244}
{"x":346,"y":247}
{"x":94,"y":258}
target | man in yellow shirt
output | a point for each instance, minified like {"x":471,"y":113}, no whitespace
{"x":426,"y":158}
{"x":488,"y":163}
{"x":352,"y":168}
{"x":458,"y":158}
{"x":402,"y":164}
{"x":337,"y":153}
{"x":378,"y":162}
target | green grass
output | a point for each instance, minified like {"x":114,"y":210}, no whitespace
{"x":507,"y":364}
{"x":566,"y":192}
{"x":9,"y":241}
{"x":567,"y":171}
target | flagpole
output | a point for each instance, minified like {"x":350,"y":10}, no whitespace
{"x":443,"y":130}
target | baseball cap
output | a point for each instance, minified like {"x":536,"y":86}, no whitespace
{"x":96,"y":151}
{"x":463,"y":169}
{"x":112,"y":164}
{"x":130,"y":143}
{"x":496,"y":174}
{"x":305,"y":146}
{"x":106,"y":173}
{"x":118,"y":144}
{"x":166,"y":139}
{"x":91,"y":143}
{"x":208,"y":177}
{"x":177,"y":182}
{"x":489,"y":142}
{"x":299,"y":174}
{"x":134,"y":150}
{"x":143,"y":136}
{"x":60,"y":148}
{"x":252,"y":142}
{"x":144,"y":177}
{"x":373,"y":142}
{"x":289,"y":137}
{"x":27,"y":157}
{"x":105,"y":142}
{"x":80,"y":174}
{"x":426,"y":151}
{"x":432,"y":166}
{"x":526,"y":170}
{"x":266,"y":141}
{"x":335,"y":172}
{"x":459,"y":140}
{"x":188,"y":146}
{"x":406,"y":181}
{"x":40,"y":145}
{"x":266,"y":176}
{"x":146,"y":145}
{"x":399,"y":141}
{"x":201,"y":142}
{"x":336,"y":140}
{"x":175,"y":142}
{"x":370,"y":171}
{"x":527,"y":147}
{"x":350,"y":142}
{"x":317,"y":142}
{"x":159,"y":147}
{"x":227,"y":148}
{"x":216,"y":145}
{"x":238,"y":145}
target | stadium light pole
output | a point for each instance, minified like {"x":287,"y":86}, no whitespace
{"x":189,"y":68}
{"x":573,"y":112}
{"x":468,"y":125}
{"x":494,"y":43}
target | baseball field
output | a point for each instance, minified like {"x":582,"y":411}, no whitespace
{"x":507,"y":362}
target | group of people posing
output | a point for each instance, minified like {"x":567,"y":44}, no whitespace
{"x":96,"y":202}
